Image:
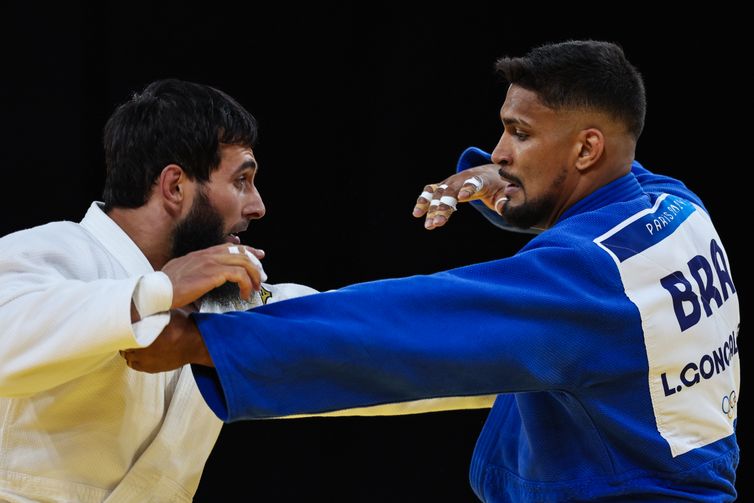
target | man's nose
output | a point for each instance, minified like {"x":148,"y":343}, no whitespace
{"x":501,"y":155}
{"x":254,"y":209}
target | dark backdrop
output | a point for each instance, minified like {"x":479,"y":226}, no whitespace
{"x":358,"y":109}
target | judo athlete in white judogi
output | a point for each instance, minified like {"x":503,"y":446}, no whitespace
{"x":77,"y":423}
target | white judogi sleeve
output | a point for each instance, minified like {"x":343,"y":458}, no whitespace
{"x":59,"y":320}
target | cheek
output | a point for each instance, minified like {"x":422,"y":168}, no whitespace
{"x":227,"y":204}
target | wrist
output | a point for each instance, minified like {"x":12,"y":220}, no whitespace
{"x":199,"y":353}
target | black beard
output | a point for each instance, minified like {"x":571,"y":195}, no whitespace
{"x":530,"y":213}
{"x":535,"y":212}
{"x":202,"y":228}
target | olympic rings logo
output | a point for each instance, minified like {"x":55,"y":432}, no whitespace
{"x":729,"y":403}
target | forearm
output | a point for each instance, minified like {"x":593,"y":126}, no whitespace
{"x":179,"y":344}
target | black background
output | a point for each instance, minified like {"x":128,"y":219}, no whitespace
{"x":358,"y":108}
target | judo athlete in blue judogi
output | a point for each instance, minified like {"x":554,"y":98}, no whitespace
{"x":610,"y":338}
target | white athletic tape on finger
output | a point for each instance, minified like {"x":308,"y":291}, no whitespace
{"x":435,"y":202}
{"x":426,"y":195}
{"x":443,"y":186}
{"x":233,"y":250}
{"x":449,"y":200}
{"x":477,"y":182}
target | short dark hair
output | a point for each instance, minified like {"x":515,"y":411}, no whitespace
{"x":587,"y":74}
{"x":170,"y":122}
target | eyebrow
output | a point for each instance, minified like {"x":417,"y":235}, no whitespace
{"x":510,"y":121}
{"x":250,"y":164}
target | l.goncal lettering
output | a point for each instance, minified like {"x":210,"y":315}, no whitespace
{"x":708,"y":366}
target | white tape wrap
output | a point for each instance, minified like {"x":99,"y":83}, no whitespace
{"x":477,"y":182}
{"x":449,"y":200}
{"x":426,"y":195}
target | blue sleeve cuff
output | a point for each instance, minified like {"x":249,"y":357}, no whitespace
{"x":212,"y":388}
{"x":209,"y":386}
{"x":474,"y":156}
{"x":471,"y":157}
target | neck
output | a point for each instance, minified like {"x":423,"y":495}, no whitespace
{"x":613,"y":164}
{"x":149,"y":228}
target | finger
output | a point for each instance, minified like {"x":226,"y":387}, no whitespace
{"x":136,"y":364}
{"x":245,"y":275}
{"x":230,"y":264}
{"x":257,"y":273}
{"x":438,"y":218}
{"x":470,"y":187}
{"x":500,"y":204}
{"x":258,"y":252}
{"x":422,"y":202}
{"x":240,"y":276}
{"x":441,"y":207}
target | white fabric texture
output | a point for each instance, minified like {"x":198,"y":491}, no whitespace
{"x":77,"y":423}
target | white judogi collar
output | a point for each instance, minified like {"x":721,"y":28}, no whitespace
{"x":115,"y":240}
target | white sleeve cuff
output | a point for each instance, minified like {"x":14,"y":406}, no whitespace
{"x":147,"y":330}
{"x":153,"y":294}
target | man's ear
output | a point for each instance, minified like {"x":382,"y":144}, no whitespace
{"x":591,"y":147}
{"x":172,"y":185}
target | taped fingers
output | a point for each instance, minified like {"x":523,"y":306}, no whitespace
{"x":470,"y":187}
{"x":449,"y":201}
{"x":422,"y":202}
{"x":440,"y":209}
{"x":477,"y":182}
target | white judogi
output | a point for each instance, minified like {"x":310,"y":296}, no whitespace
{"x":77,"y":423}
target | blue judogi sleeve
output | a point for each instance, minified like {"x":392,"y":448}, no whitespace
{"x":404,"y":339}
